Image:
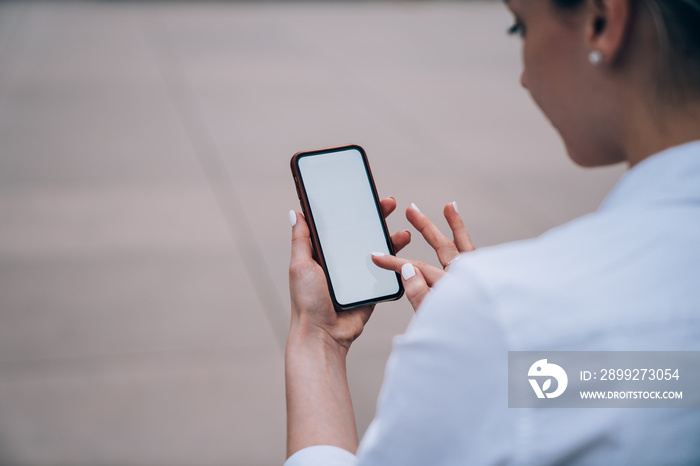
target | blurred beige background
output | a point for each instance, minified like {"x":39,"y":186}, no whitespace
{"x":144,"y":190}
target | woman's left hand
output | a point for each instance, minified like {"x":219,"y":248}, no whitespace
{"x":319,"y":408}
{"x":418,"y":276}
{"x":313,"y":313}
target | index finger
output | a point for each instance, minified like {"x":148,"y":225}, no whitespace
{"x":431,"y":274}
{"x":413,"y":274}
{"x":388,"y":205}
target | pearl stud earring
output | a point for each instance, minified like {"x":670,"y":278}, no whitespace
{"x":595,"y":57}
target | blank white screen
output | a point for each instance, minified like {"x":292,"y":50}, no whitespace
{"x":348,"y":225}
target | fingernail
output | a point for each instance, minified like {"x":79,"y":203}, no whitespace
{"x":292,"y":218}
{"x":408,"y":271}
{"x":378,"y":254}
{"x":454,"y":204}
{"x":415,"y":206}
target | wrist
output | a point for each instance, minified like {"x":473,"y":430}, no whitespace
{"x":319,"y":406}
{"x":308,"y":336}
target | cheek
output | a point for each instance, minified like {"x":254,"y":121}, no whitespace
{"x":534,"y":77}
{"x":550,"y":77}
{"x":547,"y":74}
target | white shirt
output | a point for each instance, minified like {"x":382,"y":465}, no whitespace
{"x":626,"y":277}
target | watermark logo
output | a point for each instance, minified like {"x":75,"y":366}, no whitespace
{"x":604,"y":379}
{"x":542,"y":369}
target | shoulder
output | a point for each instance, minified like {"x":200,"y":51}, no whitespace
{"x":604,"y":280}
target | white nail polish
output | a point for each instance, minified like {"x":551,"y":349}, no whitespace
{"x":454,"y":204}
{"x":292,"y":218}
{"x":407,"y":271}
{"x":415,"y":206}
{"x":378,"y":254}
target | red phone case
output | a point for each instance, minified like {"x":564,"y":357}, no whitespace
{"x":308,"y":215}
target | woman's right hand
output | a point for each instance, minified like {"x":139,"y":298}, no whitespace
{"x":418,"y":276}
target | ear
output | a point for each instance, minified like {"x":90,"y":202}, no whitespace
{"x":608,"y":27}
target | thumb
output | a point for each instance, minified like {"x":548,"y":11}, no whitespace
{"x":301,"y":246}
{"x":415,"y":285}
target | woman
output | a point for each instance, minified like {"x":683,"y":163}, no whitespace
{"x":620,"y":81}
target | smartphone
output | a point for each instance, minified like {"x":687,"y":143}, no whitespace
{"x":341,"y":207}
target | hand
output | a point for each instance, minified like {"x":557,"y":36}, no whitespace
{"x":312,"y":308}
{"x":418,"y":276}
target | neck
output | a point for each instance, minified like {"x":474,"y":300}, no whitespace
{"x":652,"y":132}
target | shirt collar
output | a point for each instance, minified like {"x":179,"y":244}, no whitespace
{"x":671,"y":175}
